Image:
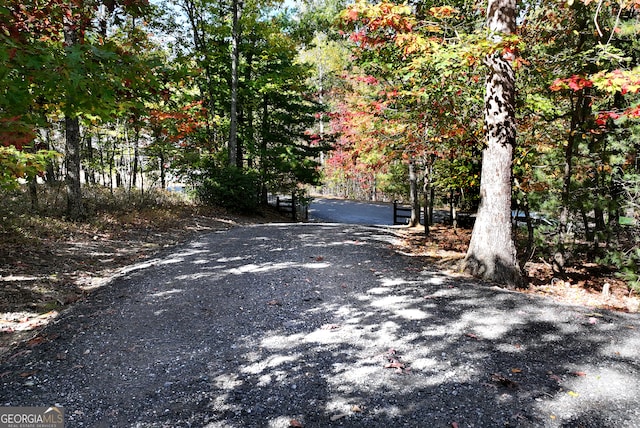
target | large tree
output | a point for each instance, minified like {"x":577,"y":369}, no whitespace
{"x":492,"y":252}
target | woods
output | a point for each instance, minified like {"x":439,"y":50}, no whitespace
{"x":485,"y":108}
{"x":155,"y":92}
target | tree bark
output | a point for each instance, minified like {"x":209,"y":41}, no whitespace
{"x":413,"y":195}
{"x":492,"y":252}
{"x":75,"y":207}
{"x":234,"y":159}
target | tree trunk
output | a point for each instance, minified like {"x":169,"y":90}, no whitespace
{"x":89,"y":172}
{"x":75,"y":207}
{"x":492,"y":252}
{"x":234,"y":159}
{"x":136,"y":159}
{"x":453,"y":213}
{"x":429,"y":193}
{"x":413,"y":195}
{"x":163,"y":174}
{"x":51,"y":176}
{"x":33,"y":193}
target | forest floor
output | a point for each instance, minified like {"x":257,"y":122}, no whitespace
{"x":48,"y":264}
{"x":584,"y":283}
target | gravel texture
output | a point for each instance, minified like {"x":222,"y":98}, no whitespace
{"x":321,"y":325}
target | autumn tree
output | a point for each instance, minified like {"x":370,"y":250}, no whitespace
{"x":492,"y":251}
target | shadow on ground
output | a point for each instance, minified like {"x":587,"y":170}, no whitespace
{"x":325,"y":325}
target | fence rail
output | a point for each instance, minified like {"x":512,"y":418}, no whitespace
{"x":401,"y":213}
{"x":290,"y":205}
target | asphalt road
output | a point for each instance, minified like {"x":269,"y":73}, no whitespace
{"x":351,"y":212}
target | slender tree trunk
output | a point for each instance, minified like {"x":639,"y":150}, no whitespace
{"x":50,"y":176}
{"x":163,"y":175}
{"x":453,"y":212}
{"x":234,"y":159}
{"x":413,"y":195}
{"x":136,"y":159}
{"x":428,"y":196}
{"x":580,"y":109}
{"x":263,"y":147}
{"x":248,"y":107}
{"x":112,"y":162}
{"x":75,"y":208}
{"x":102,"y":167}
{"x":492,"y":251}
{"x":90,"y":173}
{"x":33,"y":193}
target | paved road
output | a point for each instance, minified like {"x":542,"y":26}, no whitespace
{"x":326,"y":325}
{"x":351,"y":212}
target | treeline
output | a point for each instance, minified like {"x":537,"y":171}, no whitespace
{"x":133,"y":94}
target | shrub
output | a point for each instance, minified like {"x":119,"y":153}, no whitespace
{"x":229,"y":187}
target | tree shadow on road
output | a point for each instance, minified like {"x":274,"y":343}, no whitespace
{"x":367,"y":338}
{"x":326,"y":325}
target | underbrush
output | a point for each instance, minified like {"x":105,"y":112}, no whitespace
{"x":28,"y":221}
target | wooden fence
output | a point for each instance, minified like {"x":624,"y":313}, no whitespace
{"x":290,"y":205}
{"x":401,"y":213}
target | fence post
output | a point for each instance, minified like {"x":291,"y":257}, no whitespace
{"x":294,"y":208}
{"x":395,"y":211}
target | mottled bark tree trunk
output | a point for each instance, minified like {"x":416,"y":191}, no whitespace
{"x":492,"y":252}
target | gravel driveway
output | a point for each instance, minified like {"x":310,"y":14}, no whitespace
{"x":320,"y":325}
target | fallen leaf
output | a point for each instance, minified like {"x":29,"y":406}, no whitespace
{"x":293,"y":423}
{"x":573,"y":394}
{"x":577,"y":373}
{"x":395,"y":365}
{"x":516,"y":370}
{"x":356,"y":409}
{"x":472,"y":336}
{"x":274,"y":302}
{"x":28,"y":374}
{"x":330,"y":327}
{"x":454,"y":425}
{"x":504,"y":381}
{"x":36,"y":341}
{"x":555,"y":377}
